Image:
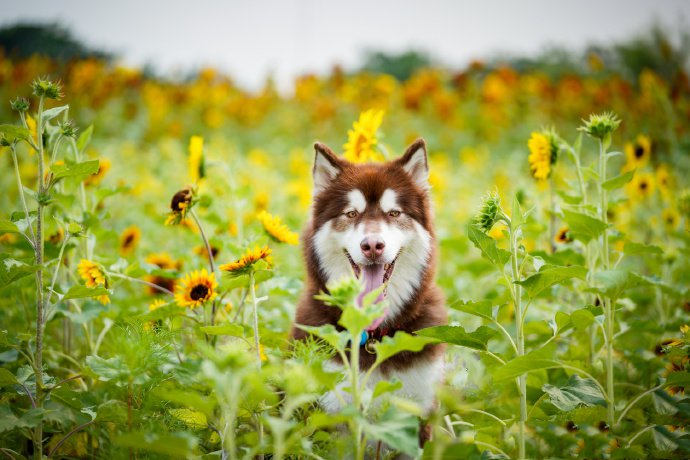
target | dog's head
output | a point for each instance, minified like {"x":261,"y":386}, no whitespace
{"x":373,"y":221}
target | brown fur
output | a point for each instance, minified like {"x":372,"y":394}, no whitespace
{"x":426,"y":307}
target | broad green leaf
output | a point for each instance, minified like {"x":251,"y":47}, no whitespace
{"x":582,"y":226}
{"x":618,"y":181}
{"x":397,"y":429}
{"x":613,"y":283}
{"x":84,"y":138}
{"x":7,"y":226}
{"x":356,"y":319}
{"x":678,"y":378}
{"x":79,"y":291}
{"x":548,"y":276}
{"x":186,"y":398}
{"x":107,"y":369}
{"x":231,"y":329}
{"x":582,"y":318}
{"x":7,"y":378}
{"x":112,"y":411}
{"x":13,"y":132}
{"x":89,"y":312}
{"x":177,"y":445}
{"x":541,"y":358}
{"x":569,"y":199}
{"x":562,"y":320}
{"x":329,"y":334}
{"x":234,"y":282}
{"x":401,"y":341}
{"x":11,"y":270}
{"x":83,"y":169}
{"x":193,"y":419}
{"x":456,"y":335}
{"x":577,"y":392}
{"x":54,"y":112}
{"x":386,"y":386}
{"x":634,"y":249}
{"x":487,"y":246}
{"x":482,"y":309}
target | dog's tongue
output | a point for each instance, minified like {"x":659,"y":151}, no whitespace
{"x":373,"y":279}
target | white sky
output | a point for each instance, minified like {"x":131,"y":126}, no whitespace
{"x":252,"y":38}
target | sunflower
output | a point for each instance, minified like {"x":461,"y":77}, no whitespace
{"x":361,"y":139}
{"x":182,"y":201}
{"x":677,"y":365}
{"x":94,"y":276}
{"x":664,"y":179}
{"x":156,"y":304}
{"x":129,"y":239}
{"x":638,"y":152}
{"x":103,"y":167}
{"x":276,"y":229}
{"x":247,"y":261}
{"x":542,"y":155}
{"x":197,"y":167}
{"x":164,"y":262}
{"x":563,"y":236}
{"x":671,"y":218}
{"x":196,"y":288}
{"x":641,"y":186}
{"x":201,"y":251}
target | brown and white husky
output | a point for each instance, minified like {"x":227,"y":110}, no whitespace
{"x":374,"y":222}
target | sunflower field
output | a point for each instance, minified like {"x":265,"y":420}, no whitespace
{"x":150,"y":262}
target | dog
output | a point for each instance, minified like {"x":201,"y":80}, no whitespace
{"x":374,"y":221}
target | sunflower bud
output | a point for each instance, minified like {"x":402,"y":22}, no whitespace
{"x":600,"y":125}
{"x":68,"y":129}
{"x":20,"y":104}
{"x":42,"y":87}
{"x":490,"y":213}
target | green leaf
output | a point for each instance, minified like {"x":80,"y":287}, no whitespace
{"x":582,"y":226}
{"x":356,"y":319}
{"x":541,"y":358}
{"x":678,"y":378}
{"x":194,"y":400}
{"x":576,"y":393}
{"x":549,"y":275}
{"x":397,"y":429}
{"x":112,"y":411}
{"x":582,"y":318}
{"x":79,"y":291}
{"x":84,"y":138}
{"x":107,"y":369}
{"x":83,"y":169}
{"x":634,"y":249}
{"x":234,"y":330}
{"x":329,"y":334}
{"x":7,"y":226}
{"x":456,"y":335}
{"x":7,"y":378}
{"x":176,"y":445}
{"x":487,"y":246}
{"x":13,"y":132}
{"x":482,"y":309}
{"x":401,"y":341}
{"x":12,"y":270}
{"x":54,"y":112}
{"x":618,"y":181}
{"x":613,"y":283}
{"x":386,"y":386}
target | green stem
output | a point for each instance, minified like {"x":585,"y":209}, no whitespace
{"x":140,"y":281}
{"x":57,"y":268}
{"x":257,"y":343}
{"x":522,"y":381}
{"x":22,"y":197}
{"x":354,"y":384}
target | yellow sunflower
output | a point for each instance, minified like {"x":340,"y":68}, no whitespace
{"x":129,"y":239}
{"x":361,"y":139}
{"x":664,"y":180}
{"x":156,"y":304}
{"x":671,"y":218}
{"x":164,"y":262}
{"x":196,"y":158}
{"x":641,"y":186}
{"x":196,"y":288}
{"x":103,"y":167}
{"x":563,"y":236}
{"x":541,"y":155}
{"x":93,"y":276}
{"x":276,"y":229}
{"x":247,"y":261}
{"x":181,"y":203}
{"x":638,"y":153}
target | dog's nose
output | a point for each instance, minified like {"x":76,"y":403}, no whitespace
{"x":372,"y":246}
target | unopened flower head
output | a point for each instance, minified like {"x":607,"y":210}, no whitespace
{"x":42,"y":87}
{"x":600,"y":125}
{"x":20,"y":104}
{"x":490,"y":213}
{"x":68,"y":129}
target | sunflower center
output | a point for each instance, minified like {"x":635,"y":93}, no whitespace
{"x":199,"y":292}
{"x":128,"y":240}
{"x":643,"y":186}
{"x":639,"y":151}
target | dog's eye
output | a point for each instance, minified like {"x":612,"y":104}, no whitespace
{"x":394,"y":213}
{"x":351,"y":214}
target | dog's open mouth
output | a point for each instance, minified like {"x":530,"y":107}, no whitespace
{"x":374,"y":275}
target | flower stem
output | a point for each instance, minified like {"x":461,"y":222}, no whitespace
{"x":206,"y":243}
{"x":257,"y":343}
{"x":22,"y":197}
{"x":140,"y":281}
{"x":522,"y":381}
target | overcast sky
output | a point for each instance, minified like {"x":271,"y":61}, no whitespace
{"x":253,"y":38}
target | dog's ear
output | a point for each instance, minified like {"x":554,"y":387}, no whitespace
{"x":414,"y":162}
{"x":326,"y":167}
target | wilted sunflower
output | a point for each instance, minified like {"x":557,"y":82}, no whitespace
{"x":197,"y":165}
{"x":182,"y":201}
{"x":641,"y":186}
{"x":563,"y":236}
{"x":247,"y":261}
{"x":94,"y":275}
{"x":276,"y":229}
{"x":129,"y":239}
{"x":638,"y":153}
{"x":196,"y":288}
{"x":543,"y":151}
{"x":361,"y":139}
{"x":103,"y":167}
